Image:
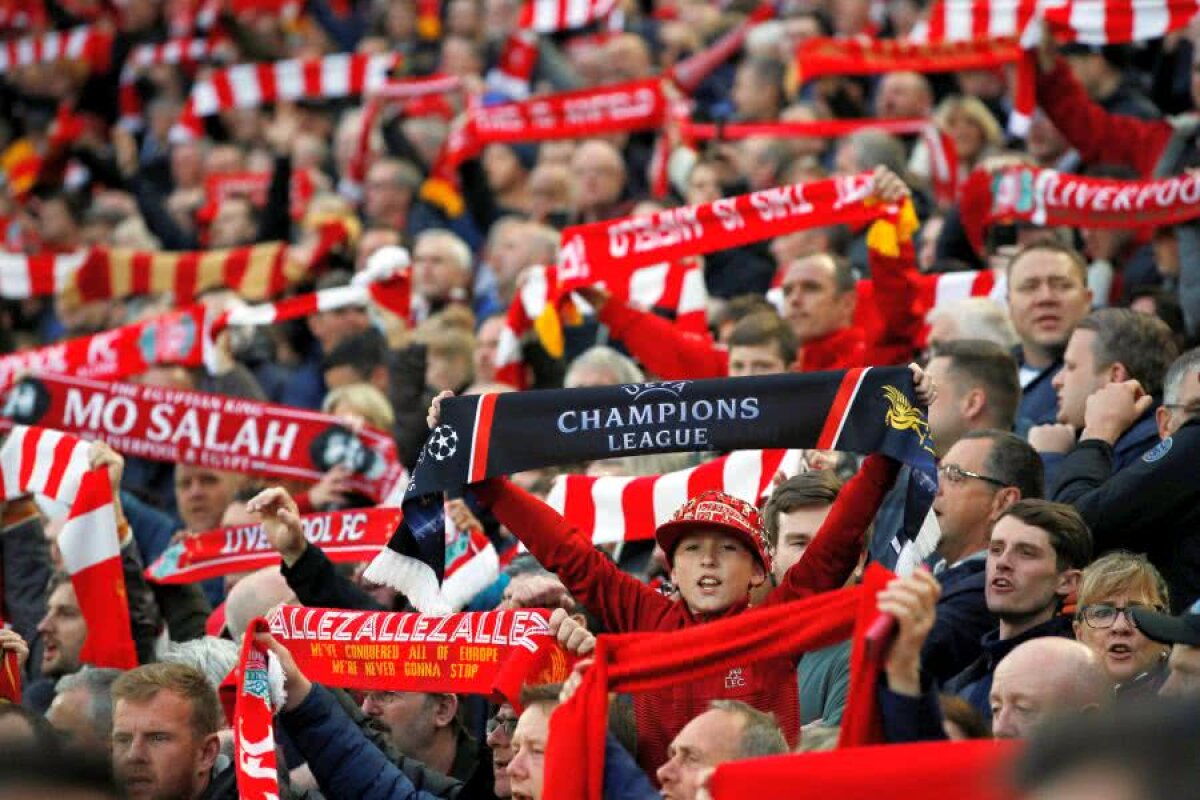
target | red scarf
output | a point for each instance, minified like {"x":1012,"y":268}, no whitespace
{"x":492,"y":653}
{"x":10,"y":675}
{"x":552,"y":16}
{"x":691,"y":72}
{"x":343,"y":536}
{"x":513,"y":74}
{"x":172,"y":338}
{"x":253,"y":731}
{"x":973,"y":770}
{"x":609,"y":251}
{"x":633,"y":106}
{"x":185,"y":53}
{"x":1052,"y":199}
{"x":619,"y":509}
{"x":52,"y":464}
{"x":644,"y":662}
{"x":820,"y":57}
{"x":212,"y":430}
{"x":819,"y":129}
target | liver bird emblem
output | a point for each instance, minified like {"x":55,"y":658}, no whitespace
{"x":902,"y":415}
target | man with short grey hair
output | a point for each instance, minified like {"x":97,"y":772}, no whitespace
{"x":82,"y":709}
{"x":441,"y":271}
{"x":729,"y":731}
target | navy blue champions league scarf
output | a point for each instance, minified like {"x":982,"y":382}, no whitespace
{"x":864,"y":410}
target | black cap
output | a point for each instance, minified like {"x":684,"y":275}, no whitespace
{"x":1184,"y":629}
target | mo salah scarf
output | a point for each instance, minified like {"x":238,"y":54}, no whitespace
{"x":490,"y":653}
{"x":212,"y":430}
{"x":54,"y":465}
{"x":971,"y":770}
{"x":480,"y":437}
{"x":643,"y":662}
{"x":1050,"y":198}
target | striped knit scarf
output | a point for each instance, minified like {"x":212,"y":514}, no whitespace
{"x":614,"y":509}
{"x":185,"y":53}
{"x":483,"y":436}
{"x":644,"y":662}
{"x":542,"y":304}
{"x":254,"y":85}
{"x":552,"y":16}
{"x":85,"y":43}
{"x":55,"y":465}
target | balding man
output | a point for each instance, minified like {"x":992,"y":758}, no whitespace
{"x":903,"y":95}
{"x":599,"y":171}
{"x":627,"y":58}
{"x":255,"y":595}
{"x":1043,"y":677}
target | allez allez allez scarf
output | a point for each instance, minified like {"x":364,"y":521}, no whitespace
{"x":210,"y":430}
{"x":491,"y":653}
{"x":860,"y":410}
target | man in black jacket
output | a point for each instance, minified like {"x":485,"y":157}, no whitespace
{"x":1153,"y":505}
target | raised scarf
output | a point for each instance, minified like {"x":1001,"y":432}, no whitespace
{"x":212,"y":430}
{"x":979,"y":769}
{"x":10,"y":677}
{"x":552,"y":16}
{"x":675,"y":289}
{"x":491,"y":653}
{"x":254,"y":85}
{"x":254,"y":186}
{"x":52,"y":464}
{"x":625,"y":107}
{"x":343,"y":536}
{"x":613,"y":509}
{"x":176,"y":337}
{"x":253,"y":725}
{"x":820,"y":57}
{"x":84,"y":43}
{"x":689,"y":73}
{"x":512,"y":76}
{"x":185,"y":53}
{"x":644,"y":662}
{"x":1050,"y":198}
{"x":483,"y":436}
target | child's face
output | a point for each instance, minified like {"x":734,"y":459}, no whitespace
{"x":714,"y":570}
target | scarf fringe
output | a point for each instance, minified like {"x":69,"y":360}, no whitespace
{"x":415,"y":579}
{"x":471,"y":578}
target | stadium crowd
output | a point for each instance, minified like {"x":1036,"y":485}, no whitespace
{"x":1051,"y":595}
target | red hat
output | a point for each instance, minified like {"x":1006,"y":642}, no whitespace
{"x":713,"y":509}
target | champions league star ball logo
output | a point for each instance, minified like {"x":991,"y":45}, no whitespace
{"x":443,"y":442}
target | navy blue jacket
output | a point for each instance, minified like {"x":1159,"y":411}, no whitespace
{"x":974,"y":684}
{"x":341,"y":757}
{"x":1132,"y":445}
{"x":1039,"y":401}
{"x":962,"y":621}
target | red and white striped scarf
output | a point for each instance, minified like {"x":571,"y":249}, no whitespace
{"x":185,"y":53}
{"x":85,"y":43}
{"x":258,"y":678}
{"x":55,"y":465}
{"x":676,"y":288}
{"x":22,"y":15}
{"x":552,"y":16}
{"x":254,"y":85}
{"x":472,"y":565}
{"x":613,"y":509}
{"x":253,"y":272}
{"x":513,"y":74}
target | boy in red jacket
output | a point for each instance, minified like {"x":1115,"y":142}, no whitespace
{"x":717,"y":552}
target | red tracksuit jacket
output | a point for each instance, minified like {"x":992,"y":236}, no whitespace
{"x":625,"y":605}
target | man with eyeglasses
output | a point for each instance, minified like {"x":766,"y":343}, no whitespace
{"x":981,"y":476}
{"x":1153,"y":505}
{"x":500,"y":729}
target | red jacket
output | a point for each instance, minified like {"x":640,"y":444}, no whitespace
{"x":1100,"y":137}
{"x":624,"y":605}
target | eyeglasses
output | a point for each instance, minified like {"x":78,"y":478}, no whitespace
{"x":956,"y":474}
{"x":1104,"y":615}
{"x":506,"y":724}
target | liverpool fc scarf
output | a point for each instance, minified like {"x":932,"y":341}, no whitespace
{"x":491,"y":653}
{"x":343,"y":536}
{"x":860,"y":410}
{"x":184,"y":53}
{"x":643,"y":662}
{"x":1050,"y":198}
{"x":971,"y":770}
{"x":253,"y":85}
{"x":172,"y":338}
{"x":211,"y":430}
{"x":258,"y":679}
{"x":55,"y":465}
{"x":613,"y":509}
